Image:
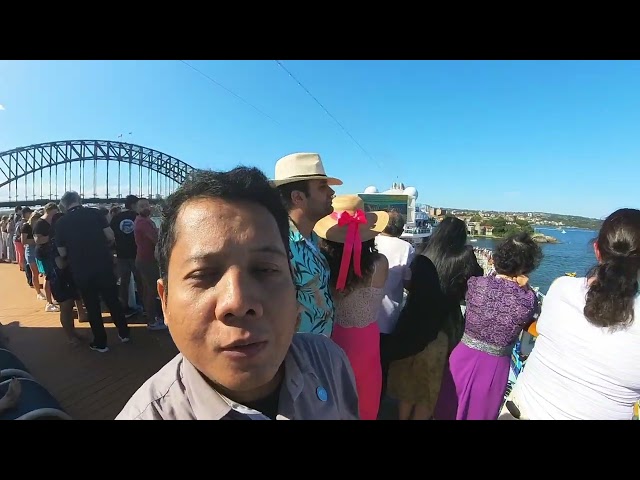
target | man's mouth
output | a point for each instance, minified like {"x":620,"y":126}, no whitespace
{"x":244,"y":348}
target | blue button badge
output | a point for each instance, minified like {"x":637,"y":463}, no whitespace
{"x":322,"y":394}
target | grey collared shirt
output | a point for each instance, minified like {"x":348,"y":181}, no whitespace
{"x":319,"y":384}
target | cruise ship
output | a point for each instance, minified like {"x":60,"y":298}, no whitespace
{"x":419,"y":224}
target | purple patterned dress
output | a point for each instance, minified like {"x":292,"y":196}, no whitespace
{"x":475,"y":379}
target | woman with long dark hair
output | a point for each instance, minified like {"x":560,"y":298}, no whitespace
{"x":455,"y":262}
{"x":584,"y":364}
{"x":417,"y":350}
{"x":358,"y":275}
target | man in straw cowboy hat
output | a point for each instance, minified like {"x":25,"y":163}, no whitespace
{"x":306,"y":193}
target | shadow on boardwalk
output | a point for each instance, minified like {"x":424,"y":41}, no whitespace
{"x":89,"y":385}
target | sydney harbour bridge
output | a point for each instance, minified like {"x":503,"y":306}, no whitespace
{"x":101,"y":171}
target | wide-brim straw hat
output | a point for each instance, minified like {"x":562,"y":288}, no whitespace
{"x":301,"y":166}
{"x":329,"y":228}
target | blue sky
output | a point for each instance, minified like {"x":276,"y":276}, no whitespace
{"x":550,"y":136}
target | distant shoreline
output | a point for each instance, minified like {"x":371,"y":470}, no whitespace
{"x":485,"y":236}
{"x":549,"y":227}
{"x":496,"y":237}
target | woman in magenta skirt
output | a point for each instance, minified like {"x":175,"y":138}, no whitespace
{"x":358,"y":275}
{"x":499,"y":306}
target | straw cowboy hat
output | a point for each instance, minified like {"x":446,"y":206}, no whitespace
{"x":301,"y":166}
{"x":335,"y":227}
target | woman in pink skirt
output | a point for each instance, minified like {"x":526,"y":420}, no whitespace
{"x":358,"y":275}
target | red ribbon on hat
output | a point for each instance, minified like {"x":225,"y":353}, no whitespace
{"x":352,"y":243}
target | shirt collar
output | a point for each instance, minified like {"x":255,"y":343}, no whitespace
{"x":208,"y":404}
{"x":296,"y":236}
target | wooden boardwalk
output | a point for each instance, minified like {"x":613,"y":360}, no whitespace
{"x":89,"y":385}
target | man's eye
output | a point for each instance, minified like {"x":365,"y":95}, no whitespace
{"x":204,"y":275}
{"x":267,"y":269}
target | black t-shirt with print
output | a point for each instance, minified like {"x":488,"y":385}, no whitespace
{"x":122,"y":226}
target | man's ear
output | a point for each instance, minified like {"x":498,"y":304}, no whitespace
{"x":162,"y":293}
{"x":298,"y":198}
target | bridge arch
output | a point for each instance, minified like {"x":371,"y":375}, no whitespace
{"x":26,"y":161}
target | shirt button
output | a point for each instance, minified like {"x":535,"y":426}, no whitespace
{"x":322,"y":394}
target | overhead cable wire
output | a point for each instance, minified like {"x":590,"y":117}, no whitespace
{"x":328,"y":113}
{"x":230,"y":91}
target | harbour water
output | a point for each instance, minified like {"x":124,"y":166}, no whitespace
{"x":574,"y":253}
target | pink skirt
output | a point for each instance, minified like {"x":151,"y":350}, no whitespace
{"x":362,"y":346}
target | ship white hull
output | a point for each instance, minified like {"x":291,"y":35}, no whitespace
{"x":415,"y":239}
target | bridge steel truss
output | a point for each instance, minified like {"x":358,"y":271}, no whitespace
{"x":27,"y":161}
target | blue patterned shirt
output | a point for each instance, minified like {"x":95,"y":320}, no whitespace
{"x":311,"y":277}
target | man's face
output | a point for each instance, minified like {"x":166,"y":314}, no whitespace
{"x":318,"y":205}
{"x":230,"y":302}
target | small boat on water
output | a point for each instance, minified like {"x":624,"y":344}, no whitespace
{"x":571,"y":274}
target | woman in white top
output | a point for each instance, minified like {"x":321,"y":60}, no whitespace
{"x":586,"y":360}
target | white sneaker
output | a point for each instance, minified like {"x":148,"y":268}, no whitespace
{"x":40,"y":296}
{"x":51,"y":308}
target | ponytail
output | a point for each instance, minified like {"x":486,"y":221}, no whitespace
{"x":611,"y":296}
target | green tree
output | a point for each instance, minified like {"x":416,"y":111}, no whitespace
{"x":502,"y":229}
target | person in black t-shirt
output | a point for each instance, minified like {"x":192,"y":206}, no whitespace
{"x":63,"y":288}
{"x":125,"y":243}
{"x":83,"y":237}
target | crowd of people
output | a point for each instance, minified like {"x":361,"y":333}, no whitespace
{"x":292,"y":302}
{"x":82,"y":257}
{"x":485,"y":259}
{"x":306,"y":305}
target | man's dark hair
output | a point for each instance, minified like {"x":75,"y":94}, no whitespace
{"x":51,"y":206}
{"x":240,"y":184}
{"x":395,"y":227}
{"x":18,"y":209}
{"x":288,"y":188}
{"x":129,"y":201}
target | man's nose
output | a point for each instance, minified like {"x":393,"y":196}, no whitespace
{"x":238,"y":296}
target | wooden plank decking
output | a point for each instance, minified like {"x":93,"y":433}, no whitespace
{"x":89,"y":385}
